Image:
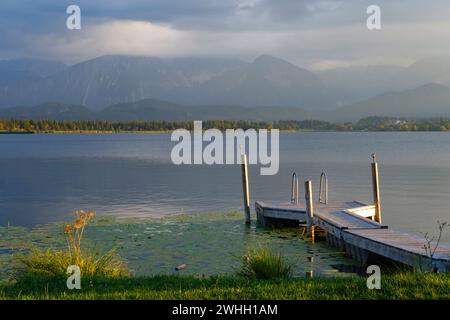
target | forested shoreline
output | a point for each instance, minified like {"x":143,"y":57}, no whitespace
{"x":99,"y":126}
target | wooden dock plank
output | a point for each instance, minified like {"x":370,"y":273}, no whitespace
{"x":402,"y":241}
{"x":404,"y":248}
{"x":351,"y":225}
{"x":341,"y":215}
{"x":281,"y":210}
{"x":345,"y":220}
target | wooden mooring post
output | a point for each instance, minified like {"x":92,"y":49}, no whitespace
{"x":376,"y":189}
{"x":309,"y":208}
{"x":244,"y":166}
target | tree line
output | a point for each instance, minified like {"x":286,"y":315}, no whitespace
{"x":366,"y":124}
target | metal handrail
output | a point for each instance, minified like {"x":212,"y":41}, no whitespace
{"x":323,"y":193}
{"x":294,"y":190}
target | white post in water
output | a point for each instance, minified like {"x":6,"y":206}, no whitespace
{"x":245,"y":186}
{"x":309,"y":207}
{"x":376,"y":189}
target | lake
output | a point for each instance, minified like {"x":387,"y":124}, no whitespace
{"x":44,"y":178}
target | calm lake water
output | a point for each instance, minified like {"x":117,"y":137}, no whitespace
{"x":44,"y":178}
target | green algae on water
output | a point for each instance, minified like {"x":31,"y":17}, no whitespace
{"x":209,"y":244}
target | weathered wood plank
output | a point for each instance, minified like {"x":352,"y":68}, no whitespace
{"x":396,"y":245}
{"x":349,"y":225}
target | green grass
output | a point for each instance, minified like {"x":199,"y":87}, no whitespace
{"x":264,"y":263}
{"x":144,"y":244}
{"x":55,"y":262}
{"x":396,"y":286}
{"x":264,"y":274}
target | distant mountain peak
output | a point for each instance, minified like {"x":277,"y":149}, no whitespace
{"x":431,"y":61}
{"x":426,"y":101}
{"x":116,"y":79}
{"x":268,"y":60}
{"x":433,"y":86}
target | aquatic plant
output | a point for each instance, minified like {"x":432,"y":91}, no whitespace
{"x":430,"y":249}
{"x":264,"y":263}
{"x":56,"y":262}
{"x":74,"y":233}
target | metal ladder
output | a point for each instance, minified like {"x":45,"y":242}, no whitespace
{"x":323,"y":188}
{"x":294,"y":190}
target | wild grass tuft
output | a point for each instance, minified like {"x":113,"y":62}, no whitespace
{"x":55,"y":263}
{"x":264,"y":264}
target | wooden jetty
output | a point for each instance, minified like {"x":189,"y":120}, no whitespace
{"x":350,"y":227}
{"x":354,"y":226}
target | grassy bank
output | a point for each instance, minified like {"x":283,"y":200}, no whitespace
{"x":395,"y":286}
{"x":156,"y":246}
{"x":137,"y":260}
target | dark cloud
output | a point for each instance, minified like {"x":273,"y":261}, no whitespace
{"x":24,"y":23}
{"x":36,"y":15}
{"x":42,"y":14}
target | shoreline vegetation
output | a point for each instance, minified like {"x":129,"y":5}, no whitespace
{"x":261,"y":273}
{"x":399,"y":286}
{"x":373,"y":124}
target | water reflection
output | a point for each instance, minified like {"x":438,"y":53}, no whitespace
{"x":45,"y":177}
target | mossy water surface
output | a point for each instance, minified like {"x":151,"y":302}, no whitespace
{"x":208,"y":244}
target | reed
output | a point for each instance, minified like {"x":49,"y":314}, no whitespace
{"x":263,"y":263}
{"x":52,"y":262}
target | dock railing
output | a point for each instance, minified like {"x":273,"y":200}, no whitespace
{"x":323,"y":188}
{"x":294,"y":189}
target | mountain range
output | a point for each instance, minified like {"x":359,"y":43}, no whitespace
{"x":430,"y":100}
{"x":120,"y":79}
{"x":150,"y":109}
{"x":149,"y":88}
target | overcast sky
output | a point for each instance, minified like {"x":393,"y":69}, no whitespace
{"x":314,"y":34}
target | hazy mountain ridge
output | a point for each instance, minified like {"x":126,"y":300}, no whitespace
{"x":350,"y":85}
{"x":49,"y":111}
{"x":109,"y":80}
{"x":102,"y":81}
{"x":120,"y":79}
{"x":268,"y":81}
{"x":152,"y":110}
{"x":430,"y":100}
{"x":26,"y":69}
{"x":354,"y":84}
{"x":213,"y":84}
